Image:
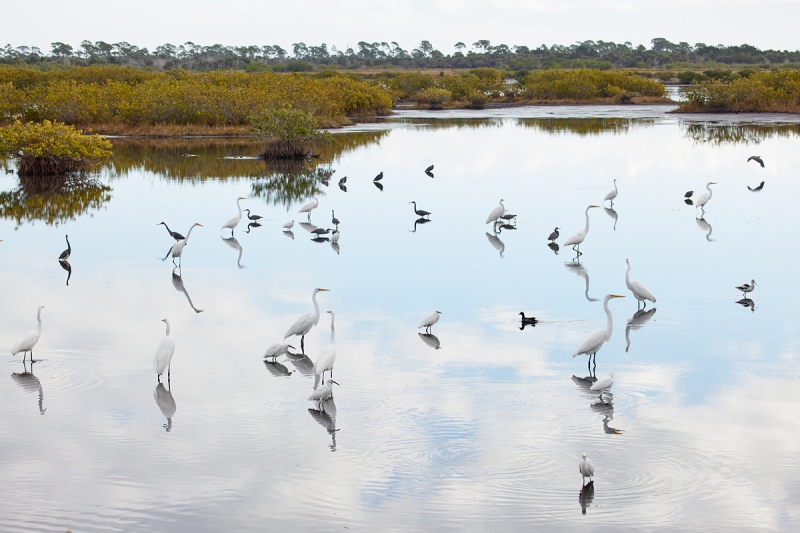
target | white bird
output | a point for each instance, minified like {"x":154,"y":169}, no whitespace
{"x":497,"y":212}
{"x":166,"y":403}
{"x":26,"y":343}
{"x":310,"y":206}
{"x":603,"y":383}
{"x":639,"y":291}
{"x":335,"y":236}
{"x":704,"y":198}
{"x":320,"y":394}
{"x":578,"y":238}
{"x":306,"y":321}
{"x":612,"y":194}
{"x":289,"y":225}
{"x":592,"y":343}
{"x":277,"y":349}
{"x":164,"y":354}
{"x":326,"y":357}
{"x":232,"y":223}
{"x":747,"y":287}
{"x":429,"y":321}
{"x":177,"y":248}
{"x":586,"y":468}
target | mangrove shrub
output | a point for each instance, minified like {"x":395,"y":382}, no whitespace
{"x":288,"y":133}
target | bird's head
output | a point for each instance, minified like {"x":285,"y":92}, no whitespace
{"x":593,"y":206}
{"x":583,"y":455}
{"x":164,"y":320}
{"x":439,"y":312}
{"x":335,"y":382}
{"x":321,"y":290}
{"x":617,"y":296}
{"x":611,"y":374}
{"x":242,"y":198}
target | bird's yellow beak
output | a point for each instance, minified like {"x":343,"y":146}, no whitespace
{"x":594,"y":206}
{"x":617,"y":296}
{"x":713,"y":183}
{"x":242,"y":198}
{"x":326,"y":290}
{"x":200,"y":225}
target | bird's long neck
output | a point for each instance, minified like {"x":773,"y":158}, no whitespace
{"x":188,"y":233}
{"x":39,"y":319}
{"x":239,"y":206}
{"x":69,"y":246}
{"x":628,"y":275}
{"x":609,"y":319}
{"x":168,"y":230}
{"x":333,"y":331}
{"x":167,"y":323}
{"x":316,"y":308}
{"x":586,"y":228}
{"x":710,"y":192}
{"x":615,"y":187}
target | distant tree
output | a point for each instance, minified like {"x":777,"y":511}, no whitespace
{"x":60,"y":50}
{"x":459,"y":46}
{"x":483,"y":45}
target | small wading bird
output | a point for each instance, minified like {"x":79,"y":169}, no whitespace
{"x":254,"y":218}
{"x":163,"y":358}
{"x":747,"y":287}
{"x":592,"y":343}
{"x":705,"y":197}
{"x":66,"y":253}
{"x":232,"y":223}
{"x":289,"y":225}
{"x":326,"y":357}
{"x":174,"y":234}
{"x":553,"y":236}
{"x":27,"y":343}
{"x":603,"y":384}
{"x":310,"y":206}
{"x":527,"y":320}
{"x":343,"y":181}
{"x":613,"y":194}
{"x":306,"y":321}
{"x":420,"y":212}
{"x":639,"y":291}
{"x":429,"y":169}
{"x":576,"y":240}
{"x":277,"y":349}
{"x":586,"y":468}
{"x":429,"y":321}
{"x":379,"y":177}
{"x":322,"y":393}
{"x":760,"y":186}
{"x":757,"y":159}
{"x":177,"y":248}
{"x":334,"y":220}
{"x":497,"y":212}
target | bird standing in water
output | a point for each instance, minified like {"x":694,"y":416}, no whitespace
{"x":66,"y":253}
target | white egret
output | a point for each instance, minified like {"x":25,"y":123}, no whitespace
{"x":26,"y":343}
{"x":747,"y":287}
{"x":586,"y":468}
{"x":174,"y":234}
{"x":335,"y":236}
{"x":326,"y":357}
{"x":497,"y":212}
{"x":429,"y":321}
{"x":705,"y":197}
{"x":277,"y":349}
{"x":306,"y":321}
{"x":612,"y":194}
{"x":232,"y":223}
{"x":420,"y":212}
{"x":603,"y":383}
{"x":320,"y":394}
{"x":554,"y":235}
{"x":495,"y":241}
{"x":639,"y":291}
{"x":66,"y":253}
{"x":177,"y":248}
{"x":165,"y":403}
{"x":289,"y":225}
{"x":310,"y":206}
{"x":592,"y":343}
{"x":163,"y":358}
{"x":578,"y":238}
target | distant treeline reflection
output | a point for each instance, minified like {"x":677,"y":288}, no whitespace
{"x":585,"y":126}
{"x":737,"y":133}
{"x":66,"y":200}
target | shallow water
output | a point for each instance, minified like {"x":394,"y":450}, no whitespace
{"x":479,"y":427}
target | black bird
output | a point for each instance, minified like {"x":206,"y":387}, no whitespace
{"x":429,"y":174}
{"x":757,"y":159}
{"x":252,"y":225}
{"x":343,"y":187}
{"x":509,"y":218}
{"x":379,"y":177}
{"x":342,"y":181}
{"x":420,"y":220}
{"x":429,"y":169}
{"x":378,"y":185}
{"x":527,"y":320}
{"x":553,"y":236}
{"x":174,"y":234}
{"x":501,"y":227}
{"x":66,"y":253}
{"x":553,"y":246}
{"x":334,"y":220}
{"x":688,"y":194}
{"x":760,"y":186}
{"x":420,"y":212}
{"x":254,"y":218}
{"x":320,"y":231}
{"x":66,"y":266}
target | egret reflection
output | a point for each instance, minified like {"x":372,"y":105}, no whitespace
{"x":166,"y":403}
{"x":431,"y":340}
{"x":177,"y":282}
{"x":289,"y":234}
{"x":233,"y":243}
{"x":30,"y":383}
{"x":578,"y":269}
{"x":308,"y":226}
{"x":703,"y":224}
{"x":637,"y":321}
{"x":613,"y":214}
{"x":336,"y":247}
{"x":277,"y":369}
{"x":325,"y":416}
{"x":66,"y":266}
{"x":586,"y":496}
{"x":495,"y":241}
{"x":302,"y":363}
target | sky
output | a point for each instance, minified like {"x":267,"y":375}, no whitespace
{"x":766,"y":24}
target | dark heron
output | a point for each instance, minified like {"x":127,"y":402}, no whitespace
{"x":379,"y":177}
{"x":66,"y":253}
{"x":334,"y":220}
{"x":378,"y":184}
{"x":747,"y":287}
{"x":754,"y":189}
{"x":688,"y":194}
{"x":342,"y":181}
{"x":527,"y":320}
{"x":757,"y":159}
{"x":174,"y":234}
{"x":553,"y":236}
{"x":420,"y":212}
{"x":509,"y":218}
{"x":421,"y":220}
{"x":252,"y":225}
{"x":429,"y":169}
{"x":254,"y":218}
{"x":66,"y":266}
{"x":320,"y":231}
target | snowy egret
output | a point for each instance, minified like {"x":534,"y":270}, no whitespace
{"x":306,"y":321}
{"x":612,"y":194}
{"x":704,"y":198}
{"x":429,"y":321}
{"x":758,"y":188}
{"x":379,"y":177}
{"x":254,"y":218}
{"x":289,"y":225}
{"x":310,"y":206}
{"x":420,"y":212}
{"x":177,"y":248}
{"x":603,"y":383}
{"x":334,"y":220}
{"x":747,"y":287}
{"x":174,"y":234}
{"x":757,"y":159}
{"x":639,"y":291}
{"x":554,"y":235}
{"x":277,"y":349}
{"x":327,"y":356}
{"x":26,"y":343}
{"x":592,"y":343}
{"x":164,"y":353}
{"x":232,"y":223}
{"x":578,"y":238}
{"x":320,"y":394}
{"x":66,"y":253}
{"x":497,"y":212}
{"x":586,"y":468}
{"x":527,"y":320}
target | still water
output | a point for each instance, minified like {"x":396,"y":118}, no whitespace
{"x":480,"y":426}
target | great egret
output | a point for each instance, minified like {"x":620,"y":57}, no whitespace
{"x":592,"y":343}
{"x":26,"y":343}
{"x":758,"y":188}
{"x":639,"y":291}
{"x":612,"y":194}
{"x":30,"y":383}
{"x":578,"y":238}
{"x":757,"y":159}
{"x":497,"y":212}
{"x":320,"y":394}
{"x":379,"y":177}
{"x":429,"y":169}
{"x":747,"y":287}
{"x":163,"y":358}
{"x":705,"y":197}
{"x":177,"y":282}
{"x":277,"y":349}
{"x":310,"y":206}
{"x":553,"y":236}
{"x":306,"y":321}
{"x":66,"y":253}
{"x":232,"y":223}
{"x":603,"y":383}
{"x":429,"y":321}
{"x":166,"y":404}
{"x":254,"y":218}
{"x":326,"y":357}
{"x":586,"y":468}
{"x":527,"y":320}
{"x":289,"y":225}
{"x":420,"y":212}
{"x":495,"y":241}
{"x":334,"y":220}
{"x":177,"y":248}
{"x":174,"y":234}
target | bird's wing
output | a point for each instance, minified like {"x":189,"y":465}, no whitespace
{"x":164,"y":354}
{"x":495,"y":214}
{"x":602,"y":383}
{"x":592,"y":342}
{"x":427,"y":321}
{"x":575,"y":239}
{"x":325,"y":360}
{"x":301,"y":326}
{"x":26,"y":343}
{"x":640,"y":290}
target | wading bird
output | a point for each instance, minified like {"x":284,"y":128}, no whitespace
{"x":420,"y":212}
{"x":705,"y":197}
{"x":576,"y":240}
{"x":760,"y":186}
{"x":320,"y":394}
{"x":232,"y":223}
{"x":429,"y":321}
{"x":612,"y":194}
{"x":757,"y":159}
{"x":343,"y":181}
{"x":497,"y":212}
{"x":177,"y":248}
{"x":277,"y":349}
{"x":586,"y":468}
{"x":592,"y":343}
{"x":289,"y":225}
{"x":603,"y":384}
{"x":379,"y":177}
{"x":66,"y":253}
{"x":310,"y":206}
{"x":26,"y":343}
{"x":174,"y":234}
{"x":747,"y":287}
{"x":306,"y":321}
{"x":527,"y":320}
{"x":326,"y":357}
{"x":553,"y":236}
{"x":639,"y":291}
{"x":334,"y":220}
{"x":163,"y":358}
{"x":429,"y":169}
{"x":254,"y":218}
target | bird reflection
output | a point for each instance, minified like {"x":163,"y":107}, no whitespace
{"x":325,"y":416}
{"x":580,"y":271}
{"x":501,"y":227}
{"x":527,"y":320}
{"x":233,"y":243}
{"x":166,"y":403}
{"x":252,"y":225}
{"x":705,"y":226}
{"x":747,"y":302}
{"x":430,"y":339}
{"x":320,"y":239}
{"x":177,"y":282}
{"x":638,"y":320}
{"x":378,"y":184}
{"x":429,"y":173}
{"x":613,"y":214}
{"x":66,"y":266}
{"x":584,"y":383}
{"x":308,"y":226}
{"x":302,"y":363}
{"x":336,"y":247}
{"x":343,"y":187}
{"x":586,"y":496}
{"x":553,"y":246}
{"x":30,"y":383}
{"x":495,"y":241}
{"x":608,"y":429}
{"x":289,"y":234}
{"x":421,"y":220}
{"x":277,"y":369}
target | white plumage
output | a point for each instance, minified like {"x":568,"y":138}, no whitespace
{"x":310,"y":206}
{"x":335,"y":236}
{"x":639,"y":291}
{"x":592,"y":343}
{"x":612,"y":194}
{"x":289,"y":225}
{"x":277,"y":349}
{"x":497,"y":212}
{"x":581,"y":235}
{"x":26,"y":343}
{"x":177,"y":248}
{"x":705,"y":197}
{"x":586,"y":467}
{"x":603,"y":383}
{"x":306,"y":321}
{"x":164,"y":353}
{"x":430,"y":320}
{"x":327,"y":356}
{"x":232,"y":223}
{"x":320,"y":394}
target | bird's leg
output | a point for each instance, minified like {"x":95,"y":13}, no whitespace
{"x":302,"y":344}
{"x":169,"y":369}
{"x":159,"y":378}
